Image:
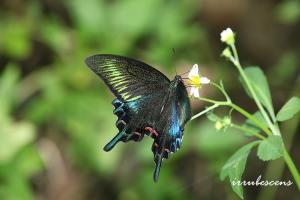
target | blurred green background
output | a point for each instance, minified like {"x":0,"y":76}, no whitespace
{"x":56,"y":115}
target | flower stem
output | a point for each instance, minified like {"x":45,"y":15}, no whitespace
{"x":247,"y":130}
{"x":252,"y":118}
{"x":236,"y":62}
{"x":205,"y":111}
{"x":238,"y":109}
{"x":221,"y":88}
{"x":289,"y":162}
{"x":213,"y":101}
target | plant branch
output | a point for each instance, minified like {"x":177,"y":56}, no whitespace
{"x":238,"y":109}
{"x":236,"y":62}
{"x":251,"y":117}
{"x":221,"y":88}
{"x":205,"y":111}
{"x":241,"y":128}
{"x":292,"y":167}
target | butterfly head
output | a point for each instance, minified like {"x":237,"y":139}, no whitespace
{"x":177,"y":79}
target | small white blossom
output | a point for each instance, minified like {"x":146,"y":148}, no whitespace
{"x":227,"y":36}
{"x":195,"y":80}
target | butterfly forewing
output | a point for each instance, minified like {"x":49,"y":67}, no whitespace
{"x":127,"y":78}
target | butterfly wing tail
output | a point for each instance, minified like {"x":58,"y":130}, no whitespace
{"x":158,"y":160}
{"x":109,"y":146}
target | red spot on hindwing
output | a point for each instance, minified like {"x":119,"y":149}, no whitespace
{"x":151,"y":131}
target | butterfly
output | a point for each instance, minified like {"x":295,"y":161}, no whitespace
{"x":147,"y":103}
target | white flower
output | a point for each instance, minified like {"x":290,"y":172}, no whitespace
{"x":227,"y":36}
{"x":195,"y":80}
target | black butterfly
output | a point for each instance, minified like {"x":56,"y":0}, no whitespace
{"x":147,"y":103}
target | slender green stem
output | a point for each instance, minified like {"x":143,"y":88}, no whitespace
{"x":234,"y":106}
{"x":236,"y":62}
{"x":222,"y":90}
{"x":237,"y":108}
{"x":252,"y":118}
{"x":247,"y":130}
{"x":208,"y":100}
{"x":205,"y":111}
{"x":213,"y":101}
{"x":292,"y":167}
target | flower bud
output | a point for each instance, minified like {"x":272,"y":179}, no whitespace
{"x":218,"y":125}
{"x":227,"y":36}
{"x":227,"y":121}
{"x":227,"y":53}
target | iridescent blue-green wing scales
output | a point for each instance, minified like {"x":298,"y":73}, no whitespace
{"x":127,"y":78}
{"x":176,"y":113}
{"x":136,"y":86}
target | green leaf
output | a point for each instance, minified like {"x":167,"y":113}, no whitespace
{"x":250,"y":125}
{"x":289,"y":109}
{"x":20,"y":30}
{"x":8,"y":85}
{"x":13,"y":137}
{"x":270,"y":148}
{"x":235,"y":167}
{"x":288,"y":12}
{"x":260,"y":85}
{"x":27,"y":161}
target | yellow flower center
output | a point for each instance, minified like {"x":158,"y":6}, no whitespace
{"x":195,"y":81}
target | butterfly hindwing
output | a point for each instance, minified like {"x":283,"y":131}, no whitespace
{"x":171,"y":124}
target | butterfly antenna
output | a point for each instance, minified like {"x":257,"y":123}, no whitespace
{"x":114,"y":141}
{"x":185,"y":73}
{"x":174,"y":54}
{"x":157,"y":160}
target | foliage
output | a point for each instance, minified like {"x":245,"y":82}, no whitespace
{"x":270,"y":148}
{"x":261,"y":122}
{"x":235,"y":167}
{"x":289,"y":109}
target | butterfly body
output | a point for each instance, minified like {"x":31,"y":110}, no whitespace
{"x":147,"y":103}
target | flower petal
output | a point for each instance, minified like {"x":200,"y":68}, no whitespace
{"x":227,"y":36}
{"x":194,"y":92}
{"x":194,"y":71}
{"x":204,"y":80}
